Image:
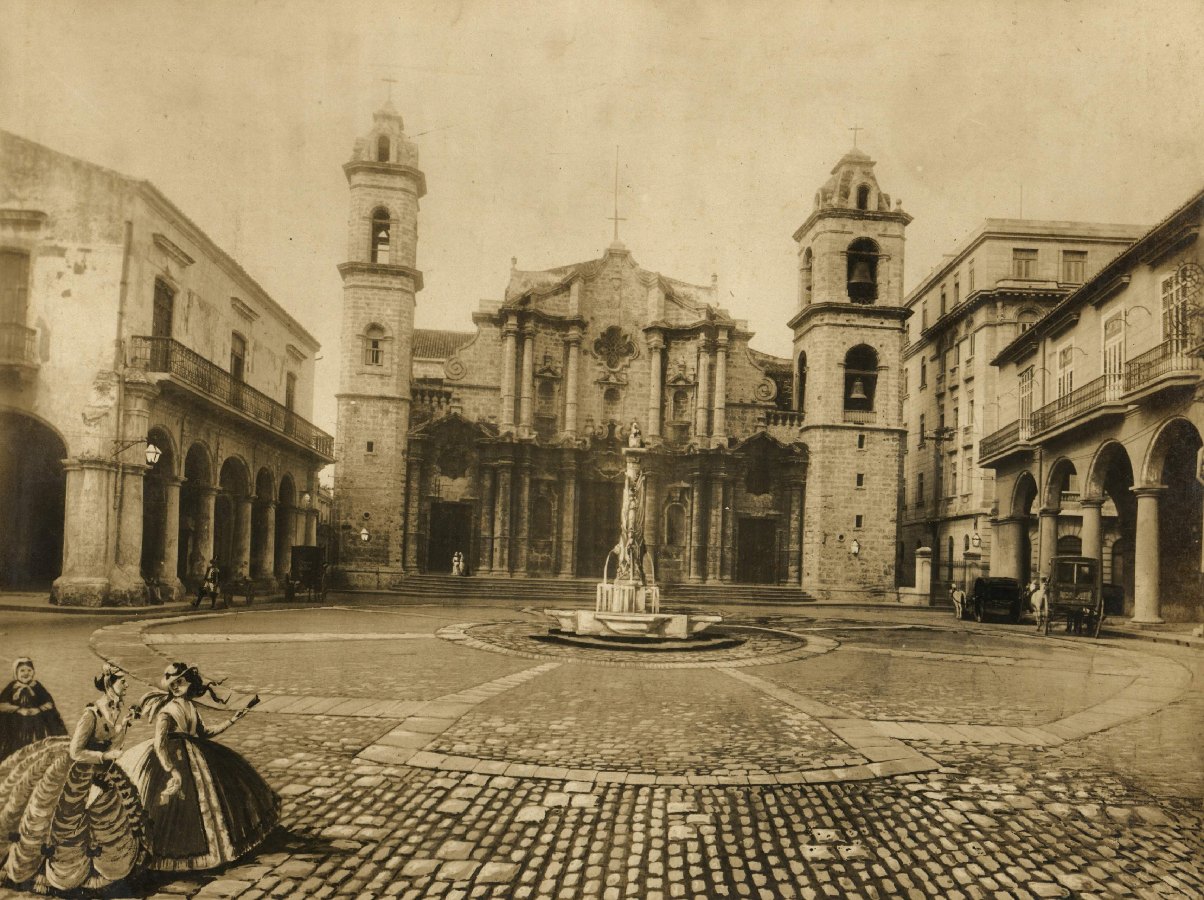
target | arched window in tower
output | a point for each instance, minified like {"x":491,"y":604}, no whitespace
{"x":381,"y":227}
{"x":805,"y":279}
{"x":863,"y":271}
{"x":860,"y":379}
{"x":800,"y":392}
{"x":374,"y":346}
{"x":382,"y":149}
{"x":863,"y":197}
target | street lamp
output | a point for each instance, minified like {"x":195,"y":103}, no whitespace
{"x":364,"y":536}
{"x":306,"y":500}
{"x":151,"y":454}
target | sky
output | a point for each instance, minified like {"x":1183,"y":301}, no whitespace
{"x":727,"y":117}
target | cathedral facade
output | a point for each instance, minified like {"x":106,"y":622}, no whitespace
{"x":503,"y":443}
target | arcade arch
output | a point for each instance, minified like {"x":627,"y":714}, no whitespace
{"x":33,"y":489}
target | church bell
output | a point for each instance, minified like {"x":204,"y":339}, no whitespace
{"x":861,"y":277}
{"x":857,"y":392}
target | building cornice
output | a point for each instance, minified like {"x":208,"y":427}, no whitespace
{"x":858,"y":309}
{"x":384,"y":269}
{"x":384,"y":168}
{"x":840,"y":212}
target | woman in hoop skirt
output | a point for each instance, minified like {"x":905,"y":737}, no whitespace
{"x":69,"y":817}
{"x":206,"y":806}
{"x":27,"y":711}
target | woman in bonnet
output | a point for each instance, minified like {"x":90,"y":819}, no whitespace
{"x":206,"y":806}
{"x":69,"y":817}
{"x":27,"y":711}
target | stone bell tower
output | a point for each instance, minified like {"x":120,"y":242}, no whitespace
{"x":380,"y":282}
{"x":849,"y":332}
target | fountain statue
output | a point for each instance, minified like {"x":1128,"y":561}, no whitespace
{"x":629,"y":606}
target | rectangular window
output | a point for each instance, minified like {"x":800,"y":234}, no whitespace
{"x":920,"y":489}
{"x":238,"y":356}
{"x":956,"y":414}
{"x":1026,"y":399}
{"x":943,"y":307}
{"x":369,"y":447}
{"x":857,"y":521}
{"x":1065,"y":370}
{"x":1024,"y":263}
{"x":970,"y":407}
{"x":1074,"y":266}
{"x":861,"y":442}
{"x":970,"y":345}
{"x":957,"y":291}
{"x":923,"y":371}
{"x":952,"y":478}
{"x":860,"y":479}
{"x":14,"y":286}
{"x":970,"y":277}
{"x":924,"y":316}
{"x":290,"y":391}
{"x":1114,"y":355}
{"x":922,"y":438}
{"x":1176,"y":323}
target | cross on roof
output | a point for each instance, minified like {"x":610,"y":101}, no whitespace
{"x":855,"y":129}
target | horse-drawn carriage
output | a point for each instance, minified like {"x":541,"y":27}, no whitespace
{"x":307,"y":574}
{"x":1074,"y":595}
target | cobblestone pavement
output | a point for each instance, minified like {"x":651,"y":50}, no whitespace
{"x":952,"y":760}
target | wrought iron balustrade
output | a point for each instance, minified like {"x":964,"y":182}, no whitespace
{"x":157,"y":354}
{"x":1168,"y":358}
{"x":18,"y":345}
{"x":1078,"y":402}
{"x":998,"y":441}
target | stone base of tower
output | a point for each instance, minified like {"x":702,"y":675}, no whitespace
{"x":365,"y":578}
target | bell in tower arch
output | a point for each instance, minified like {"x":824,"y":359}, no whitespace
{"x":863,"y":271}
{"x":857,"y":392}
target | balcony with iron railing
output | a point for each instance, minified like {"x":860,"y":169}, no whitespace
{"x":1005,"y":440}
{"x":1076,"y":404}
{"x":1164,"y":365}
{"x":189,"y":368}
{"x":18,"y":346}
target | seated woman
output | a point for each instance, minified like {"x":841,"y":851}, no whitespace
{"x":27,"y":711}
{"x":69,"y":817}
{"x":206,"y":806}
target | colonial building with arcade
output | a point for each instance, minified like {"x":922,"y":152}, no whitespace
{"x":504,"y":442}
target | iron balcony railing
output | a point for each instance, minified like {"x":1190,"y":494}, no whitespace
{"x":157,"y":354}
{"x":1168,"y":358}
{"x":1071,"y":406}
{"x":18,"y":345}
{"x":998,"y":441}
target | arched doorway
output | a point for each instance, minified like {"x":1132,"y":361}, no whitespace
{"x":231,"y":540}
{"x":1172,"y":463}
{"x":196,"y":523}
{"x":286,"y":501}
{"x":263,"y":528}
{"x":1111,"y":480}
{"x":155,"y":487}
{"x":1023,"y":497}
{"x":33,"y":491}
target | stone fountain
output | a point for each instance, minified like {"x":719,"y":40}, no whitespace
{"x":630,"y":606}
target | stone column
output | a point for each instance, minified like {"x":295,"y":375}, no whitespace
{"x":570,"y":382}
{"x":727,"y":557}
{"x":241,"y":561}
{"x":715,"y":527}
{"x":126,"y":585}
{"x":170,"y":575}
{"x":267,"y":547}
{"x":696,"y":548}
{"x":1147,"y":566}
{"x":525,"y":404}
{"x":501,"y":520}
{"x":653,"y":504}
{"x":1047,"y":539}
{"x":506,"y":416}
{"x":1008,"y":546}
{"x":1092,"y":533}
{"x":568,"y":516}
{"x":794,"y":558}
{"x":311,"y":528}
{"x":485,"y":526}
{"x":413,"y":508}
{"x":523,"y":537}
{"x":704,"y":378}
{"x":656,"y":346}
{"x":86,"y":534}
{"x":202,"y":539}
{"x":719,"y":420}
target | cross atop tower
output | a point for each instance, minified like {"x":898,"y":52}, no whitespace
{"x":616,"y":218}
{"x":855,"y":129}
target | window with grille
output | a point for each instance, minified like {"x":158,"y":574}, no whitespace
{"x":970,"y":277}
{"x":14,"y":286}
{"x":1176,"y":324}
{"x":920,"y":489}
{"x":1065,"y":370}
{"x":374,"y":346}
{"x":1024,"y":263}
{"x":1026,"y":396}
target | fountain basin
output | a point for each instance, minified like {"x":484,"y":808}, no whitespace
{"x":631,"y":625}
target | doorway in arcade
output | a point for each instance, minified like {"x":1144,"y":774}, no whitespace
{"x":451,"y":530}
{"x":598,"y":526}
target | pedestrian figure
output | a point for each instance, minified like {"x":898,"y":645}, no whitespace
{"x":70,"y":818}
{"x":1040,"y":602}
{"x":958,"y":596}
{"x":457,"y":563}
{"x":206,"y":806}
{"x":27,"y":711}
{"x":210,"y":585}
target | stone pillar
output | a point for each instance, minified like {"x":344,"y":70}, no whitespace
{"x":653,"y":504}
{"x":924,"y":571}
{"x":727,"y":559}
{"x":525,"y":402}
{"x":202,"y":540}
{"x":1147,"y":607}
{"x":794,"y":558}
{"x":568,"y":517}
{"x":715,"y":527}
{"x":719,"y":420}
{"x":523,"y":538}
{"x":1092,"y":533}
{"x":506,"y":415}
{"x":267,"y":547}
{"x":311,"y":528}
{"x":1047,"y":539}
{"x":1008,"y":547}
{"x":501,"y":520}
{"x":126,"y":585}
{"x":972,"y":569}
{"x":86,"y":523}
{"x":413,"y":508}
{"x":241,"y":556}
{"x":696,"y":548}
{"x":170,"y":564}
{"x":485,"y":526}
{"x":656,"y":404}
{"x":704,"y":378}
{"x":570,"y":381}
